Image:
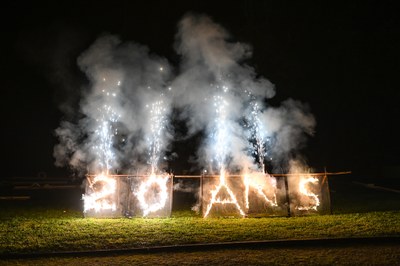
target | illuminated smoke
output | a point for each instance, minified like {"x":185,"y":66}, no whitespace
{"x":212,"y":77}
{"x":123,"y":111}
{"x":288,"y":126}
{"x":149,"y":201}
{"x":101,"y":197}
{"x":213,"y":66}
{"x":212,"y":70}
{"x":257,"y":135}
{"x":304,"y":189}
{"x":222,"y":96}
{"x":157,"y":122}
{"x":124,"y":116}
{"x":259,"y":183}
{"x":230,"y":198}
{"x":313,"y":202}
{"x":105,"y":121}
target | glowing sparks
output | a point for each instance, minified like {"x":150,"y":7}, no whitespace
{"x":258,"y":142}
{"x":158,"y":120}
{"x":216,"y":197}
{"x":259,"y":183}
{"x":257,"y":135}
{"x":315,"y":202}
{"x":102,"y":195}
{"x":153,"y":194}
{"x":220,"y":148}
{"x":221,"y":135}
{"x":105,"y":132}
{"x":135,"y":98}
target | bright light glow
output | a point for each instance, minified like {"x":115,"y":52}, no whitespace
{"x":221,"y":138}
{"x":102,"y":196}
{"x":259,"y":183}
{"x":158,"y":120}
{"x":216,"y":199}
{"x":257,"y":135}
{"x":221,"y":135}
{"x":105,"y":132}
{"x":153,"y":194}
{"x":303,"y":189}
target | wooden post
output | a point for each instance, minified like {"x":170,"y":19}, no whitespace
{"x":129,"y":191}
{"x":171,"y":194}
{"x":201,"y":193}
{"x":329,"y":193}
{"x":287,"y":195}
{"x":117,"y":197}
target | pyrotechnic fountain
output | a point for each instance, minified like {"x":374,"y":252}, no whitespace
{"x":154,"y":193}
{"x":101,"y":197}
{"x":109,"y":195}
{"x":314,"y":202}
{"x":258,"y":183}
{"x":129,"y":94}
{"x":101,"y":189}
{"x":222,"y":194}
{"x":262,"y":183}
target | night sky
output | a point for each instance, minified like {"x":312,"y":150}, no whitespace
{"x":341,"y":59}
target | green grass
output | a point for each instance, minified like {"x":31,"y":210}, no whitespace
{"x":357,"y":212}
{"x":59,"y":230}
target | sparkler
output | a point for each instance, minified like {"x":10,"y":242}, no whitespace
{"x":106,"y":130}
{"x":258,"y":142}
{"x":209,"y":55}
{"x":103,"y":187}
{"x":102,"y":196}
{"x":216,"y":198}
{"x":157,"y":121}
{"x":221,"y":137}
{"x":154,"y":189}
{"x":258,"y":183}
{"x":303,"y":190}
{"x":257,"y":133}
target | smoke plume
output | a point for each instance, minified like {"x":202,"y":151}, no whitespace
{"x":125,"y":111}
{"x":127,"y":90}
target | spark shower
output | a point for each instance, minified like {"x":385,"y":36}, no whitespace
{"x":123,"y":125}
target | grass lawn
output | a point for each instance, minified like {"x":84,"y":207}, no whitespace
{"x":57,"y":230}
{"x":25,"y":229}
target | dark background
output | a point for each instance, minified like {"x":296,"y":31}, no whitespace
{"x":340,"y":58}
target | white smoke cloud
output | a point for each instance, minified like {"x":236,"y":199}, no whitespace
{"x":211,"y":64}
{"x":125,"y":82}
{"x":215,"y":92}
{"x":210,"y":68}
{"x":288,"y":126}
